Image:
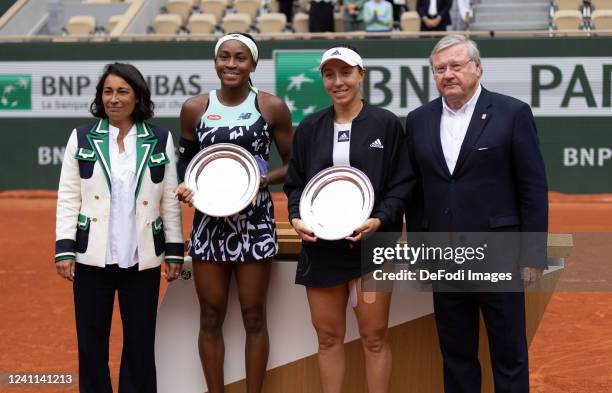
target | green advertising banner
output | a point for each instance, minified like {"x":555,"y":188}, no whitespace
{"x":46,"y":90}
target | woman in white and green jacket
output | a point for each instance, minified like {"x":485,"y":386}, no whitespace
{"x":117,"y":220}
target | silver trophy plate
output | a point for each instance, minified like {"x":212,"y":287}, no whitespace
{"x":224,"y":179}
{"x":336,"y":201}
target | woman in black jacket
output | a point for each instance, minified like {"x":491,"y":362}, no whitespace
{"x":350,"y":132}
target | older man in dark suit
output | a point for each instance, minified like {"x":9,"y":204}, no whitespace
{"x":477,"y":157}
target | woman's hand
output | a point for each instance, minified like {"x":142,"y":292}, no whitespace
{"x":65,"y":269}
{"x":184,"y":194}
{"x":370,"y":225}
{"x":173,"y":271}
{"x":303,"y":231}
{"x":263,"y":182}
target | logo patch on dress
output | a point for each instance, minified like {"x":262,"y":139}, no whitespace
{"x":214,"y":117}
{"x":244,"y":116}
{"x":344,"y":136}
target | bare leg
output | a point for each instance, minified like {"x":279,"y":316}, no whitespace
{"x":328,"y":313}
{"x":212,"y":286}
{"x":252,"y":279}
{"x":373,"y":320}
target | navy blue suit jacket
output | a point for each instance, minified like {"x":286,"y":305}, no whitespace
{"x":444,"y":7}
{"x":499,"y":181}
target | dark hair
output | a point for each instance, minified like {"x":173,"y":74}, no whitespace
{"x":144,"y":107}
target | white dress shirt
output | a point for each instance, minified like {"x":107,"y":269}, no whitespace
{"x":453,"y":127}
{"x":122,"y":247}
{"x":433,"y":8}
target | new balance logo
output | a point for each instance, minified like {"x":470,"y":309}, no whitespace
{"x":244,"y":116}
{"x":344,"y":136}
{"x":377,"y":144}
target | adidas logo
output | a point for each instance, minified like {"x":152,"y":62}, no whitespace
{"x":344,"y":136}
{"x":377,"y":144}
{"x":336,"y":53}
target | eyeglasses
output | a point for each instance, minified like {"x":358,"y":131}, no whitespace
{"x":454,"y":67}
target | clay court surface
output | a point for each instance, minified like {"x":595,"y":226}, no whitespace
{"x":571,"y":352}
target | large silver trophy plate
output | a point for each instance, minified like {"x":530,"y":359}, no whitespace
{"x":336,"y":201}
{"x":224,"y":179}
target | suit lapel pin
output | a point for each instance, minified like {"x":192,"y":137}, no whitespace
{"x":483,"y":116}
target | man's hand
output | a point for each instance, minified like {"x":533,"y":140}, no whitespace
{"x":530,"y":275}
{"x":184,"y":194}
{"x":370,"y":225}
{"x":429,"y":22}
{"x":303,"y":231}
{"x":65,"y":269}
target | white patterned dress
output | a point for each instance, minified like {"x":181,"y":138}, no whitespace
{"x":249,"y":235}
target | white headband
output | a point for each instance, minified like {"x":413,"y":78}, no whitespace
{"x":244,"y":39}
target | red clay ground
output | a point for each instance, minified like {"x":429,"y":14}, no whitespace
{"x":571,"y":352}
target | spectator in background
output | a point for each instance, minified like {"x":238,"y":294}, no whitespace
{"x":435,"y":14}
{"x":378,"y":15}
{"x":286,"y":7}
{"x":461,"y":14}
{"x":399,"y":7}
{"x":353,"y":15}
{"x":321,"y":16}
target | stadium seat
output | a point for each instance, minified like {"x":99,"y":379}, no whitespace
{"x":568,"y":4}
{"x":602,"y":4}
{"x":112,"y":22}
{"x":81,"y":25}
{"x":602,"y":19}
{"x":237,"y":22}
{"x":213,"y":7}
{"x":166,"y":24}
{"x":181,"y":8}
{"x":300,"y":22}
{"x":273,"y":22}
{"x":410,"y":21}
{"x":201,"y":23}
{"x":249,"y":7}
{"x":568,"y":20}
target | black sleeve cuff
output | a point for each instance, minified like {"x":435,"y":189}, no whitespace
{"x":174,"y":252}
{"x":382,"y":217}
{"x":65,"y":249}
